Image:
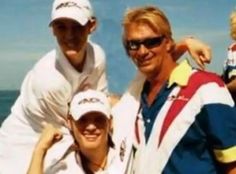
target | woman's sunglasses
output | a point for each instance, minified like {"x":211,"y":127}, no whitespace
{"x":134,"y":45}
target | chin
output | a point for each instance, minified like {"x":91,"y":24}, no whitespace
{"x":146,"y":70}
{"x":92,"y":146}
{"x":70,"y":51}
{"x":91,"y":142}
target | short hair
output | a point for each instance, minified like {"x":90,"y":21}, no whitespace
{"x":150,"y":15}
{"x":233,"y":25}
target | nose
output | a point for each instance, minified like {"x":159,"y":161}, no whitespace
{"x":91,"y":126}
{"x":142,"y":50}
{"x":70,"y":33}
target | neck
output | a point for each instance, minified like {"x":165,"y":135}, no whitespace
{"x":162,"y":74}
{"x":77,"y":59}
{"x":78,"y":62}
{"x":158,"y":79}
{"x":97,"y":159}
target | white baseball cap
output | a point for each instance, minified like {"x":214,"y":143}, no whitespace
{"x":89,"y":101}
{"x":78,"y":10}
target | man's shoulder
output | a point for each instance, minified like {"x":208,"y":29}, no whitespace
{"x":97,"y":52}
{"x":47,"y":65}
{"x":96,"y":47}
{"x":47,"y":61}
{"x":208,"y":87}
{"x":45,"y":73}
{"x":203,"y":77}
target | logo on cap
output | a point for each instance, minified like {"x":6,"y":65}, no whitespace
{"x":69,"y":4}
{"x":90,"y":100}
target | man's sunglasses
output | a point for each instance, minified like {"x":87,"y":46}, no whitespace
{"x":134,"y":45}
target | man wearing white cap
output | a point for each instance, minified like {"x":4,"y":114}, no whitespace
{"x":49,"y":86}
{"x":93,"y":150}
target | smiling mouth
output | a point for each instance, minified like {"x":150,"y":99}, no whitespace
{"x":91,"y":137}
{"x":144,"y":61}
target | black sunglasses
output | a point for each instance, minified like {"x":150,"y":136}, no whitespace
{"x":134,"y":45}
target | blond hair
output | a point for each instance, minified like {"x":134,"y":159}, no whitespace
{"x":151,"y":16}
{"x":233,"y":25}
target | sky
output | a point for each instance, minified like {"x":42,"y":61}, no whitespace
{"x":26,"y":37}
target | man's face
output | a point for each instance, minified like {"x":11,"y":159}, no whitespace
{"x":71,"y":36}
{"x":146,"y":47}
{"x":91,"y":131}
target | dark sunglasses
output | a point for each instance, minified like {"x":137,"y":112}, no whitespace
{"x":134,"y":45}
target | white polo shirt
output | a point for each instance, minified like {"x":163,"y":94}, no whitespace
{"x":45,"y":94}
{"x":72,"y":163}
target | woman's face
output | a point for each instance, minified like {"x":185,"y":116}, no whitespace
{"x":91,"y":131}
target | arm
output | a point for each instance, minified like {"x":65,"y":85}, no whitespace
{"x":49,"y":136}
{"x":220,"y":127}
{"x":43,"y":100}
{"x":200,"y":51}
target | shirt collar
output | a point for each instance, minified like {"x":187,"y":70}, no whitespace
{"x":112,"y":155}
{"x":180,"y":74}
{"x":69,"y":71}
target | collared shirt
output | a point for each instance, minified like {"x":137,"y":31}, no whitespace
{"x":199,"y":137}
{"x":149,"y":113}
{"x":72,"y":163}
{"x":179,"y":76}
{"x":93,"y":73}
{"x":44,"y":97}
{"x":49,"y":87}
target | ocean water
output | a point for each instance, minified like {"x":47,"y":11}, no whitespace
{"x":7,"y":99}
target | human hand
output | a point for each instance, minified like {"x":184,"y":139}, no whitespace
{"x":200,"y":52}
{"x":50,"y":135}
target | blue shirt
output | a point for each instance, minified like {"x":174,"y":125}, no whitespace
{"x":210,"y":140}
{"x":150,"y":112}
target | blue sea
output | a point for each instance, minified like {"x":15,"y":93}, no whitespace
{"x":7,"y":99}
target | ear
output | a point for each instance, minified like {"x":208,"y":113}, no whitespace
{"x":169,"y":45}
{"x":69,"y":122}
{"x":92,"y":24}
{"x":53,"y":31}
{"x":124,"y":45}
{"x":111,"y":125}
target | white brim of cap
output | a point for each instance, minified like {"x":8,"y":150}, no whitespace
{"x":77,"y":114}
{"x":69,"y":13}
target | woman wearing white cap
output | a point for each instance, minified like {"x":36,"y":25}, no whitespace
{"x":93,"y":150}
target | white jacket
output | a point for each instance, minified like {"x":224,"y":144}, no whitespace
{"x":44,"y":97}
